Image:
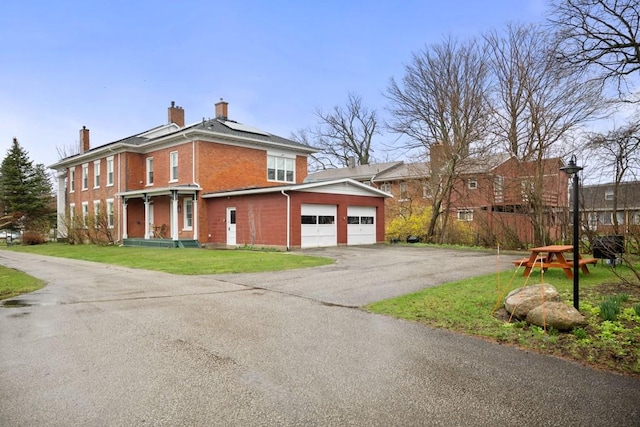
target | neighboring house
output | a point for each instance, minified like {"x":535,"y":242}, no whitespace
{"x":492,"y":194}
{"x":598,"y":203}
{"x":216,"y":182}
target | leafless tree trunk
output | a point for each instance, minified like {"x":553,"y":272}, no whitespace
{"x":343,"y":135}
{"x":537,"y":101}
{"x":441,"y":102}
{"x":600,"y":33}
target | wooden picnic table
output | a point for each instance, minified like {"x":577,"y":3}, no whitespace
{"x":552,"y":256}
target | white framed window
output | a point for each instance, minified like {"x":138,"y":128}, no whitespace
{"x":72,"y":213}
{"x":96,"y":174}
{"x":150,"y":170}
{"x":472,"y":184}
{"x":72,"y":180}
{"x":465,"y":214}
{"x":386,"y":187}
{"x":426,"y":191}
{"x":85,"y":213}
{"x":403,"y":191}
{"x":608,"y":195}
{"x":96,"y":213}
{"x":188,"y":213}
{"x":173,"y":165}
{"x":110,"y":213}
{"x":593,"y":221}
{"x":109,"y":171}
{"x":85,"y":176}
{"x":280,"y":168}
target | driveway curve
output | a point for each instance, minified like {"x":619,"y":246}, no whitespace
{"x":105,"y":345}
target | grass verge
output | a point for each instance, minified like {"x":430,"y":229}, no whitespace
{"x":180,"y":261}
{"x":14,"y":283}
{"x":472,"y":306}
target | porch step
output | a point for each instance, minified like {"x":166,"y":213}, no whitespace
{"x":161,"y":243}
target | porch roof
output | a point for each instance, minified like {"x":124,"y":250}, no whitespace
{"x":160,"y":191}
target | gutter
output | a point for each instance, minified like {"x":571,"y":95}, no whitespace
{"x":288,"y":219}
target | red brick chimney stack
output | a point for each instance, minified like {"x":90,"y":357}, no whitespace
{"x":176,"y":114}
{"x":84,"y":139}
{"x":222,"y":110}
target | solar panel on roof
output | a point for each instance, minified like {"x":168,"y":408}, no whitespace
{"x":244,"y":128}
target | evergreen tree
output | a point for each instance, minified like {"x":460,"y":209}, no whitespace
{"x":25,"y":191}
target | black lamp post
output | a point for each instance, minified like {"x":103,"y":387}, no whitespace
{"x":572,"y":169}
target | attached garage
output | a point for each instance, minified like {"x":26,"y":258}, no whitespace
{"x":361,"y":225}
{"x":319,"y":214}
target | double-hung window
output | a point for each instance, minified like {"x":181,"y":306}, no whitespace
{"x":97,"y":221}
{"x":85,"y":176}
{"x":96,"y":174}
{"x":72,"y":180}
{"x":280,"y":169}
{"x":109,"y":171}
{"x":85,"y":213}
{"x":110,"y":213}
{"x":173,"y":165}
{"x":150,"y":170}
{"x":465,"y":214}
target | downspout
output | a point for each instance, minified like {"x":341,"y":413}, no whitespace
{"x":288,"y":219}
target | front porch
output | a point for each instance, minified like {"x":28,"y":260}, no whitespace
{"x":161,"y":243}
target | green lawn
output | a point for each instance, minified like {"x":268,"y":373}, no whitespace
{"x":180,"y":261}
{"x":14,"y":283}
{"x":472,"y":306}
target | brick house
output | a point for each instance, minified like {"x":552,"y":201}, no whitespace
{"x":597,"y":206}
{"x":215,"y":182}
{"x":492,"y":194}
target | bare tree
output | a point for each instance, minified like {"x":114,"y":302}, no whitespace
{"x":601,"y":33}
{"x":536,"y":102}
{"x":618,"y":150}
{"x":441,"y":105}
{"x":343,"y":135}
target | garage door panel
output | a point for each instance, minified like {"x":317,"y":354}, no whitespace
{"x":318,"y":225}
{"x":361,"y":227}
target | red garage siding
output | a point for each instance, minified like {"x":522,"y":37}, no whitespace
{"x":261,"y":219}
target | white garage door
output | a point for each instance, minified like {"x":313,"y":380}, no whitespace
{"x":318,"y":226}
{"x":361,"y":225}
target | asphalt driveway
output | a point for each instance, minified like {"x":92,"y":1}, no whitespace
{"x":364,"y":274}
{"x":104,"y":345}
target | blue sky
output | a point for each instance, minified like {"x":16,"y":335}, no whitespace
{"x":115,"y":66}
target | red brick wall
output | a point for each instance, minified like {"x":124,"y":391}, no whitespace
{"x":269,"y":217}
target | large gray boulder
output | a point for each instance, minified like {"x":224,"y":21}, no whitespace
{"x":556,"y":315}
{"x":522,"y":300}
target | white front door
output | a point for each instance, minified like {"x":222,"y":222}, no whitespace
{"x":231,"y":226}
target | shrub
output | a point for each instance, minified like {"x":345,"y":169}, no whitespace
{"x":33,"y":238}
{"x":609,"y":309}
{"x":580,"y":333}
{"x":637,"y":309}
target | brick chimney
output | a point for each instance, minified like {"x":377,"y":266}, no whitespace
{"x":84,"y":140}
{"x":176,"y":114}
{"x":222,"y":110}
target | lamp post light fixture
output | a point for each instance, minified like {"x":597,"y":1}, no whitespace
{"x":572,"y":169}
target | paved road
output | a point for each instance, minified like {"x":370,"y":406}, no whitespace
{"x":104,"y":345}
